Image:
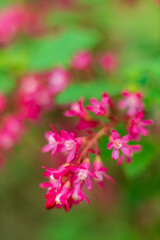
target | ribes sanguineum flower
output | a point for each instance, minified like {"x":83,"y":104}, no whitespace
{"x":65,"y":142}
{"x":12,"y":128}
{"x":58,"y":80}
{"x":11,"y":19}
{"x":132,"y":102}
{"x":65,"y":187}
{"x":82,"y":60}
{"x":108,"y":62}
{"x":54,"y":141}
{"x":117,"y":143}
{"x":77,"y":194}
{"x":77,"y":109}
{"x":100,"y":108}
{"x":137,"y":126}
{"x":83,"y":174}
{"x":100,"y":171}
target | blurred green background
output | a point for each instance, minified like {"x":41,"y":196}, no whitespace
{"x":129,"y":209}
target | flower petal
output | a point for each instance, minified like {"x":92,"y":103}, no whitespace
{"x":115,"y":154}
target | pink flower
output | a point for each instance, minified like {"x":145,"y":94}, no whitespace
{"x":11,"y":19}
{"x":82,"y":60}
{"x":108,"y":62}
{"x":2,"y":102}
{"x":54,"y":140}
{"x":137,"y":126}
{"x":100,"y":171}
{"x":132,"y":102}
{"x":83,"y":174}
{"x":11,"y":131}
{"x":33,"y":97}
{"x":60,"y":189}
{"x":100,"y":108}
{"x":59,"y":198}
{"x":65,"y":142}
{"x":58,"y":80}
{"x":55,"y":176}
{"x":118,"y":143}
{"x":77,"y":195}
{"x":70,"y":144}
{"x":77,"y":109}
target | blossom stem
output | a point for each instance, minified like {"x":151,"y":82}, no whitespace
{"x":93,"y":140}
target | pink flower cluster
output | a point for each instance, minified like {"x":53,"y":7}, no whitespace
{"x":36,"y":92}
{"x":83,"y":61}
{"x":16,"y":19}
{"x":66,"y":184}
{"x":34,"y":96}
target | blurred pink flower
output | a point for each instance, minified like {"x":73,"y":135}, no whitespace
{"x":11,"y":131}
{"x":58,"y":80}
{"x":137,"y":126}
{"x":81,"y":60}
{"x":100,"y":108}
{"x":108,"y":62}
{"x":118,"y":143}
{"x":77,"y":109}
{"x":100,"y":171}
{"x":132,"y":102}
{"x":11,"y":20}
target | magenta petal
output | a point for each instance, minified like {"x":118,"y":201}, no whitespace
{"x":71,"y":155}
{"x":47,"y":148}
{"x":109,"y":178}
{"x":140,"y":115}
{"x":45,"y":185}
{"x":126,"y":150}
{"x":147,"y":122}
{"x":120,"y":160}
{"x":64,"y":134}
{"x":110,"y":145}
{"x":91,"y":109}
{"x":126,"y":138}
{"x":115,"y":134}
{"x":115,"y":154}
{"x":88,"y":183}
{"x":50,"y":203}
{"x":86,"y":198}
{"x":54,"y":150}
{"x":94,"y":102}
{"x":144,"y":131}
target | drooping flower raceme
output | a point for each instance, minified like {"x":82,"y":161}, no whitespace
{"x":66,"y":184}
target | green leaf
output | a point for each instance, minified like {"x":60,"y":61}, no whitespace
{"x":140,"y":160}
{"x":7,"y":83}
{"x":14,"y":58}
{"x":52,"y":51}
{"x":88,"y":90}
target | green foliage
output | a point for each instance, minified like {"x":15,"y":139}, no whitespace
{"x":52,"y":51}
{"x":88,"y":90}
{"x":141,"y":160}
{"x":14,"y":58}
{"x":7,"y":82}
